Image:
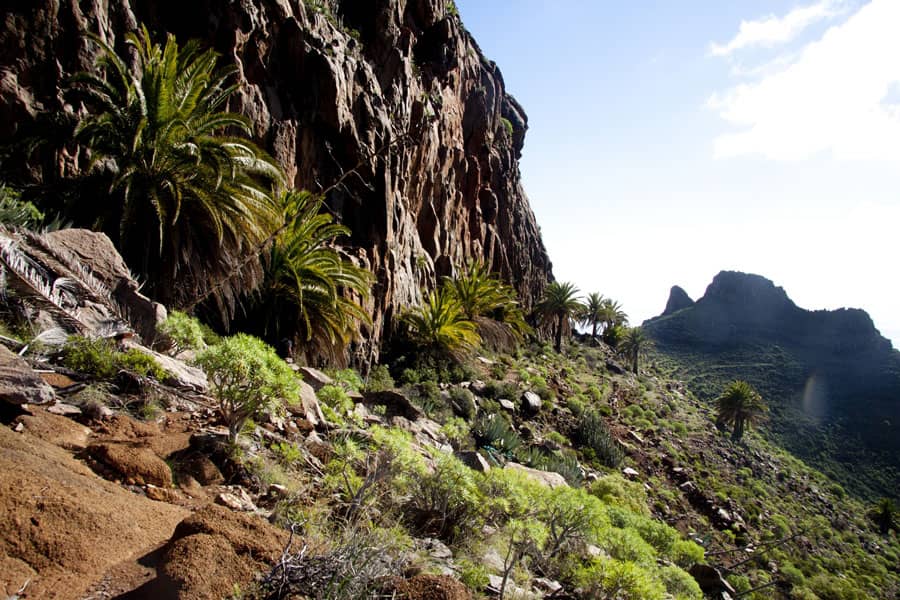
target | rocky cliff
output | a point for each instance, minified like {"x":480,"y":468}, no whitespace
{"x":387,"y":104}
{"x":832,"y":380}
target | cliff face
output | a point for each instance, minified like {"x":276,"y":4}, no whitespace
{"x":831,"y":379}
{"x":393,"y":94}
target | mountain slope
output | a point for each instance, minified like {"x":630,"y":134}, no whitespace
{"x":832,"y":380}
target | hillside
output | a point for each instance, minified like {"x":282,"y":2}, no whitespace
{"x":832,"y":381}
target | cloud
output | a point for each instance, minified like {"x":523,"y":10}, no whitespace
{"x":772,"y":30}
{"x":837,"y":96}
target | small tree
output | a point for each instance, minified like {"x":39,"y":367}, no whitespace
{"x":559,"y":304}
{"x":886,"y":516}
{"x":740,"y":405}
{"x":246,"y":376}
{"x":633,"y":344}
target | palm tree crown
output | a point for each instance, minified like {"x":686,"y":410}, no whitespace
{"x":592,"y":313}
{"x":740,"y":405}
{"x":441,"y":327}
{"x":310,"y":291}
{"x":633,"y":344}
{"x":559,"y":304}
{"x":186,"y":200}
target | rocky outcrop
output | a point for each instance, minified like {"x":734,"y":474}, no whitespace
{"x":678,"y":299}
{"x":19,"y":384}
{"x":821,"y":371}
{"x":389,"y":105}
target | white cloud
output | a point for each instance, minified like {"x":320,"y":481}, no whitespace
{"x":835,"y":97}
{"x":773,"y":30}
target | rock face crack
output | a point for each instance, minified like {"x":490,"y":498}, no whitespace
{"x":327,"y":92}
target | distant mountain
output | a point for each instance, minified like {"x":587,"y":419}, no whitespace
{"x":831,"y":379}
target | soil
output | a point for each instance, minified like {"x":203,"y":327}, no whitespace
{"x":66,"y":526}
{"x":430,"y":587}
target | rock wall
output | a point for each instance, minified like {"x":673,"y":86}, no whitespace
{"x":394,"y":95}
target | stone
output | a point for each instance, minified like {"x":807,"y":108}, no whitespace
{"x":316,"y":378}
{"x":64,"y":409}
{"x":134,"y":463}
{"x":615,"y":368}
{"x":236,"y":499}
{"x":637,"y":438}
{"x":178,"y":373}
{"x":507,"y":404}
{"x":547,"y":586}
{"x":204,"y":470}
{"x":531,"y":403}
{"x":395,"y":403}
{"x":19,"y":384}
{"x":630,"y":473}
{"x":548,"y":478}
{"x":474,"y":460}
{"x":477,"y":386}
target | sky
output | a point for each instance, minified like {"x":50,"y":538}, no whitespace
{"x":668,"y":141}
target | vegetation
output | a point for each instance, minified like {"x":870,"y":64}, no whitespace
{"x":100,"y":358}
{"x":16,"y":212}
{"x":188,"y":194}
{"x":633,"y":345}
{"x":739,"y":406}
{"x":592,"y":312}
{"x":246,"y":377}
{"x":183,"y":332}
{"x":559,"y":304}
{"x":311,"y":293}
{"x":441,"y":328}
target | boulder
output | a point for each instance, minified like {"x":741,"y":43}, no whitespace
{"x":136,"y":464}
{"x":548,"y":478}
{"x":395,"y":403}
{"x":531,"y":403}
{"x":615,"y":368}
{"x":507,"y":404}
{"x":19,"y":384}
{"x":316,"y":378}
{"x":710,"y":580}
{"x":475,"y":461}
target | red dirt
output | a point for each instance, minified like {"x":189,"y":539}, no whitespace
{"x":430,"y":587}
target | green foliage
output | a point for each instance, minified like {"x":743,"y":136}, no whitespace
{"x":287,"y":453}
{"x":616,"y":490}
{"x":507,"y":125}
{"x":18,"y":213}
{"x":187,"y":187}
{"x":185,"y":332}
{"x":633,"y":345}
{"x":489,"y":303}
{"x":559,"y":304}
{"x":494,"y":432}
{"x":885,"y":516}
{"x":445,"y":502}
{"x":464,"y":402}
{"x":336,"y":399}
{"x":311,"y":292}
{"x":613,"y":335}
{"x":379,"y":379}
{"x":679,"y":584}
{"x":593,"y":433}
{"x":100,"y":358}
{"x":348,"y":379}
{"x":740,"y":405}
{"x":472,"y":574}
{"x":611,"y":578}
{"x":441,"y":328}
{"x":246,"y":376}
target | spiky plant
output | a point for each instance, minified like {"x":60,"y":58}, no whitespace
{"x":440,"y":327}
{"x":739,"y":406}
{"x":310,"y":291}
{"x":592,"y":432}
{"x":559,"y":304}
{"x":494,"y":432}
{"x":189,"y":194}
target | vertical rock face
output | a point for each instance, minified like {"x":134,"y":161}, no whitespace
{"x":387,"y":104}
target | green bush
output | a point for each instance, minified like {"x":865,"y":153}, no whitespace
{"x":681,"y":585}
{"x":101,"y":359}
{"x":380,"y":379}
{"x":347,"y":379}
{"x":464,"y":401}
{"x":246,"y":376}
{"x":184,"y":331}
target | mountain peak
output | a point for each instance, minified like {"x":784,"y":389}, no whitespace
{"x":747,"y":289}
{"x":678,"y":299}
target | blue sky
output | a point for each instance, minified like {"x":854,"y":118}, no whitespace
{"x":671,"y":140}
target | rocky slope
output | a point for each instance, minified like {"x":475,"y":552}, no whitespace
{"x":396,"y":89}
{"x":832,"y":379}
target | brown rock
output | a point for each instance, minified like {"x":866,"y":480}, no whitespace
{"x":134,"y":463}
{"x":203,"y":566}
{"x":19,"y":384}
{"x":429,"y":587}
{"x":249,"y":535}
{"x":205,"y":471}
{"x":55,"y":429}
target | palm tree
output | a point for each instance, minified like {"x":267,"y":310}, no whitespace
{"x":593,"y":313}
{"x":740,"y":405}
{"x":634,"y":343}
{"x":488,"y":302}
{"x":559,"y":304}
{"x":885,"y":515}
{"x":310,"y":292}
{"x":441,"y":327}
{"x":612,"y":314}
{"x":185,"y":199}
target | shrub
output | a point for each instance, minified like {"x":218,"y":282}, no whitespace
{"x":184,"y":331}
{"x":464,"y":402}
{"x":615,"y":489}
{"x":379,"y":379}
{"x":593,"y":433}
{"x":681,"y":585}
{"x":493,"y":431}
{"x":348,"y":379}
{"x":610,"y":578}
{"x":246,"y":377}
{"x":500,"y":389}
{"x":100,"y":358}
{"x":446,"y":503}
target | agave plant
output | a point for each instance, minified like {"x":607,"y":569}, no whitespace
{"x":189,"y":194}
